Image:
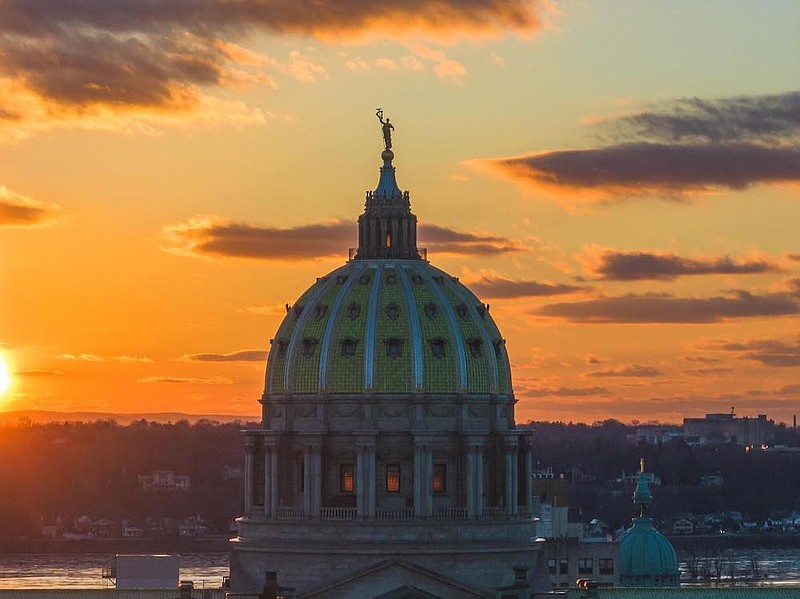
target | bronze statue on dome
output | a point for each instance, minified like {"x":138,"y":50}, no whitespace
{"x":387,"y":128}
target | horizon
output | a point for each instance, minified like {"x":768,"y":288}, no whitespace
{"x":14,"y":418}
{"x":618,"y":181}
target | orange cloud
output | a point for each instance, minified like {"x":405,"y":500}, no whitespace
{"x":93,"y":60}
{"x":19,"y":211}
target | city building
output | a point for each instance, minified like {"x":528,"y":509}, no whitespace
{"x":729,"y":428}
{"x":573,"y":550}
{"x":388,"y":463}
{"x":164,"y":480}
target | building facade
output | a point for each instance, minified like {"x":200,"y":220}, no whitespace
{"x":388,"y":460}
{"x":729,"y":428}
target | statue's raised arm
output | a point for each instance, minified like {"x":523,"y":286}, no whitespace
{"x":387,"y":128}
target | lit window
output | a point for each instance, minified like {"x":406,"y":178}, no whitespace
{"x":393,"y":478}
{"x":585,"y":565}
{"x":347,"y":482}
{"x":439,"y":478}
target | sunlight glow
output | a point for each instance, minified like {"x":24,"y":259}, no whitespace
{"x":5,"y":377}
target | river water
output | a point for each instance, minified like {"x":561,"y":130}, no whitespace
{"x":774,"y":565}
{"x":84,"y":570}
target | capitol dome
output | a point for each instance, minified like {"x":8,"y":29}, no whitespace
{"x":388,"y":322}
{"x":388,"y":457}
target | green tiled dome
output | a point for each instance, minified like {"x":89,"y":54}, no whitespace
{"x":647,"y":558}
{"x":386,"y":326}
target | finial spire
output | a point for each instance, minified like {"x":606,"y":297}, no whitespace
{"x":642,"y":496}
{"x":387,"y":129}
{"x":387,"y":228}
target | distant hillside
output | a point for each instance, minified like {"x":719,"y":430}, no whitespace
{"x":43,"y":416}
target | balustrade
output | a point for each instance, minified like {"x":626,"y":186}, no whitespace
{"x":338,"y":513}
{"x":394,"y":515}
{"x":450,"y":513}
{"x":289,"y":513}
{"x":343,"y":514}
{"x":494,"y":512}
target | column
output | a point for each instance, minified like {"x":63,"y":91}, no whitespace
{"x":470,"y":482}
{"x":417,"y":481}
{"x":371,"y":481}
{"x":509,"y":450}
{"x":267,"y":481}
{"x":428,"y":480}
{"x":273,"y":484}
{"x":514,"y":505}
{"x":307,"y":481}
{"x":528,"y":476}
{"x":479,"y":480}
{"x":249,"y":453}
{"x":316,"y":481}
{"x":360,"y":507}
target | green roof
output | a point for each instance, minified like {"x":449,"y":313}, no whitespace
{"x":646,"y":557}
{"x":388,"y":326}
{"x":691,"y":592}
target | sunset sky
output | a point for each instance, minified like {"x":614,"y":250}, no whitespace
{"x":618,"y":179}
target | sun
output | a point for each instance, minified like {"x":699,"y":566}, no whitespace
{"x":5,"y":377}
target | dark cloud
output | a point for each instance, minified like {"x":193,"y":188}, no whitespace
{"x":770,"y":118}
{"x":19,"y":211}
{"x":565,"y":391}
{"x":633,"y":370}
{"x":673,"y":148}
{"x":706,"y":372}
{"x":655,"y":308}
{"x":39,"y":373}
{"x":769,"y":352}
{"x":443,"y":240}
{"x":156,"y":53}
{"x":185,"y":380}
{"x":644,"y":168}
{"x":213,"y":236}
{"x":245,"y":355}
{"x":795,"y":257}
{"x":218,"y":237}
{"x":500,"y":288}
{"x":701,"y":359}
{"x":630,"y":266}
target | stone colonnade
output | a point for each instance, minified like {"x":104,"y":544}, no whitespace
{"x":366,"y":481}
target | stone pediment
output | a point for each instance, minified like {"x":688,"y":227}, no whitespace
{"x":398,"y":579}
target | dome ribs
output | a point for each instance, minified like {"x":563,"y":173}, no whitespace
{"x":416,"y":333}
{"x":346,"y":374}
{"x":392,"y":367}
{"x":481,"y":367}
{"x":306,"y":364}
{"x":372,"y":325}
{"x":440,"y":370}
{"x":330,"y":326}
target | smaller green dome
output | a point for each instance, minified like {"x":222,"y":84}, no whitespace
{"x":647,"y":558}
